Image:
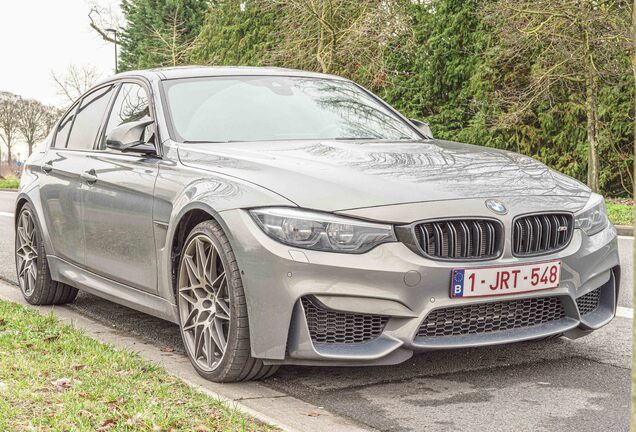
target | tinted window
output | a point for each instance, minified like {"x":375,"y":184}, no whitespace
{"x":131,"y":105}
{"x":88,"y":119}
{"x":278,"y":108}
{"x":63,"y":129}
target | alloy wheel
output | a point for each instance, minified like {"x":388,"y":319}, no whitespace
{"x":27,"y":253}
{"x":204,"y":303}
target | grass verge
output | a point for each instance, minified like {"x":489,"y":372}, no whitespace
{"x":53,"y":377}
{"x":620,"y":212}
{"x":11,"y":183}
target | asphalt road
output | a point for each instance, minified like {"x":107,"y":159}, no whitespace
{"x":557,"y":385}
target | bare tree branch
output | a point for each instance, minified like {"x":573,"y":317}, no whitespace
{"x":102,"y":18}
{"x":9,"y":107}
{"x":75,"y":81}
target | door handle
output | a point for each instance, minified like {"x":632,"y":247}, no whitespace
{"x":89,"y":176}
{"x":47,"y":167}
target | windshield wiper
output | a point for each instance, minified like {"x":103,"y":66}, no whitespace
{"x":354,"y":138}
{"x":402,"y":138}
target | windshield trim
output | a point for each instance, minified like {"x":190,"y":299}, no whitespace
{"x":175,"y":137}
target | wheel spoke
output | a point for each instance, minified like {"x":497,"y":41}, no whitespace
{"x":25,"y":267}
{"x":24,"y":220}
{"x":222,"y":310}
{"x":22,"y":263}
{"x":33,"y":270}
{"x":198,"y":340}
{"x":193,"y":277}
{"x":191,"y":321}
{"x":220,"y":331}
{"x":21,"y":253}
{"x":187,"y":297}
{"x":201,"y":261}
{"x":30,"y":278}
{"x":210,"y":344}
{"x":218,"y":337}
{"x":29,"y":229}
{"x":218,"y":283}
{"x":209,"y":267}
{"x":22,"y":236}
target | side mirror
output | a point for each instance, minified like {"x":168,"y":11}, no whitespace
{"x":423,"y":128}
{"x":129,"y":137}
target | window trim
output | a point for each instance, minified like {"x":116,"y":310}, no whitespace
{"x":100,"y":143}
{"x":74,"y":108}
{"x":115,"y":82}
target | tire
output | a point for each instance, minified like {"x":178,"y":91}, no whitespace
{"x":213,"y":310}
{"x":32,"y":267}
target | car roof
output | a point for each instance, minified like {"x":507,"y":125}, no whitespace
{"x":176,"y":72}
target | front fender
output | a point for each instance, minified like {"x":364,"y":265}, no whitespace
{"x":180,"y":189}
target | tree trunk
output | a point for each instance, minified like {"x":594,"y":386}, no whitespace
{"x":633,"y":422}
{"x":591,"y":108}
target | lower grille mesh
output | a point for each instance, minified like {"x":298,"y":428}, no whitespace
{"x":331,"y":327}
{"x":491,"y":317}
{"x":589,"y":302}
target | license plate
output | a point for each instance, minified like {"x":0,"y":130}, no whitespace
{"x":494,"y":281}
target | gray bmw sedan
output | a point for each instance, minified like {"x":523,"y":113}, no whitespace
{"x":287,"y":217}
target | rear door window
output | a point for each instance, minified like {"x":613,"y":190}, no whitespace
{"x":89,"y":118}
{"x":61,"y":136}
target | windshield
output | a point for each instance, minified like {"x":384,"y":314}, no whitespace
{"x":264,"y":108}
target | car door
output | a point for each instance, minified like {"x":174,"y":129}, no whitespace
{"x":118,"y":223}
{"x":63,"y":167}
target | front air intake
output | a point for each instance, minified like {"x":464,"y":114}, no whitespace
{"x":589,"y":302}
{"x":334,"y":327}
{"x":491,"y":317}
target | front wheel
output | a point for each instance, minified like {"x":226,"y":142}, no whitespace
{"x":212,"y":309}
{"x":32,"y":266}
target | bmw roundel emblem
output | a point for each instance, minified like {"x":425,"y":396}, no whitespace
{"x":496,"y":206}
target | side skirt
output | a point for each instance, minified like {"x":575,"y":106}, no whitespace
{"x":107,"y":289}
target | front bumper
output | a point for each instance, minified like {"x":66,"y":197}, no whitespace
{"x":379,"y":300}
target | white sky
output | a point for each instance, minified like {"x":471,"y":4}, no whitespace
{"x":38,"y":36}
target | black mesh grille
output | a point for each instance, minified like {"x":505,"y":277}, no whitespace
{"x":589,"y":302}
{"x":460,"y":239}
{"x":541,"y":233}
{"x":491,"y":317}
{"x":331,"y":327}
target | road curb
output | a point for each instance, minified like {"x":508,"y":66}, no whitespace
{"x":252,"y":398}
{"x":625,"y":230}
{"x":8,"y":190}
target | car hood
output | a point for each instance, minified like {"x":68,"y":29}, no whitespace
{"x":341,"y":175}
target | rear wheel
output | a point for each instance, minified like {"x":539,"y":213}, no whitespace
{"x":32,"y":266}
{"x":212,"y":309}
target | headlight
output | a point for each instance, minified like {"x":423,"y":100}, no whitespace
{"x":593,"y":218}
{"x":321,"y":231}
